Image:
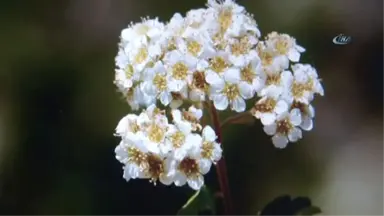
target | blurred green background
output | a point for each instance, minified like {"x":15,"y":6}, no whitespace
{"x":59,"y":109}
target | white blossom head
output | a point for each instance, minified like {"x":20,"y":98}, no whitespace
{"x":211,"y":57}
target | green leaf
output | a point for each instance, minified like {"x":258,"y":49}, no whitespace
{"x":311,"y":210}
{"x":200,"y":201}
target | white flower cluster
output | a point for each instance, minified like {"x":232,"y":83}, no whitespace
{"x":213,"y":54}
{"x":208,"y":55}
{"x":284,"y":107}
{"x":180,"y":152}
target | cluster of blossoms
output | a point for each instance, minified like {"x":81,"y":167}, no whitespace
{"x":179,"y":152}
{"x":214,"y":55}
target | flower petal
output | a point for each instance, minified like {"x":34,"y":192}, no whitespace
{"x":196,"y":183}
{"x":293,"y":55}
{"x":238,"y":104}
{"x":279,"y":141}
{"x":232,"y":75}
{"x":180,"y":179}
{"x":268,"y":118}
{"x":307,"y":123}
{"x":270,"y":129}
{"x":131,"y":171}
{"x":165,"y":98}
{"x":281,"y":106}
{"x":246,"y":90}
{"x":209,"y":134}
{"x":295,"y":117}
{"x":220,"y":101}
{"x":295,"y":135}
{"x":212,"y":77}
{"x":205,"y":166}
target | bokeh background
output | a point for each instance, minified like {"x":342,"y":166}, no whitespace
{"x":59,"y":109}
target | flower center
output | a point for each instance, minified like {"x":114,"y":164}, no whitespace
{"x":266,"y":56}
{"x":189,"y":167}
{"x":273,"y":79}
{"x":171,"y":45}
{"x":207,"y":150}
{"x":284,"y":127}
{"x":177,"y":139}
{"x":141,"y":55}
{"x":134,"y":126}
{"x":156,"y":133}
{"x":155,"y":166}
{"x":198,"y":81}
{"x":248,"y":74}
{"x":301,"y":106}
{"x":241,"y":47}
{"x":282,"y":46}
{"x":194,"y":48}
{"x":160,"y":82}
{"x":298,"y":89}
{"x":231,"y":91}
{"x":180,"y":71}
{"x":266,"y":106}
{"x":188,"y":116}
{"x":225,"y":19}
{"x":136,"y":156}
{"x":218,"y":64}
{"x":219,"y":41}
{"x":128,"y":71}
{"x":176,"y":96}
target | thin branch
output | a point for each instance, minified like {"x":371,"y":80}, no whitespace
{"x":221,"y":166}
{"x":240,"y":118}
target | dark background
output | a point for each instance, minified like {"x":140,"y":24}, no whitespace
{"x":59,"y":109}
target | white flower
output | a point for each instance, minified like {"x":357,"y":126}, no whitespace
{"x":268,"y":108}
{"x":152,"y":125}
{"x":132,"y":153}
{"x":137,"y":98}
{"x":175,"y":27}
{"x":179,"y":142}
{"x":285,"y":45}
{"x":232,"y":18}
{"x":179,"y":97}
{"x":196,"y":22}
{"x":312,"y":79}
{"x":251,"y":78}
{"x":187,"y":120}
{"x":303,"y":85}
{"x":157,"y":82}
{"x":270,"y":59}
{"x":209,"y":151}
{"x":242,"y":50}
{"x":307,"y":115}
{"x":157,"y":168}
{"x":180,"y":68}
{"x":139,"y":56}
{"x":198,"y":87}
{"x":196,"y":47}
{"x":189,"y":170}
{"x":127,"y":124}
{"x":216,"y":67}
{"x":275,"y":82}
{"x":227,"y":91}
{"x":139,"y":32}
{"x":285,"y":128}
